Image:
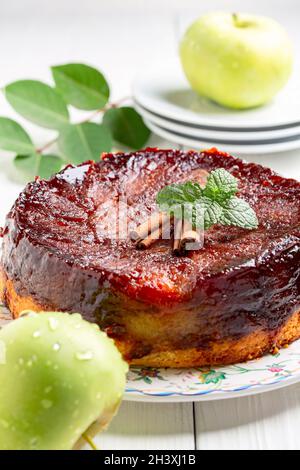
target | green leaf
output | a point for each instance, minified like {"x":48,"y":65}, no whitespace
{"x":179,"y":193}
{"x":238,"y":212}
{"x":81,"y":86}
{"x":81,"y":142}
{"x":186,"y":200}
{"x":212,"y":212}
{"x":13,"y":137}
{"x":127,"y":127}
{"x":27,"y":166}
{"x":203,"y":213}
{"x":220,"y":185}
{"x":38,"y":103}
{"x":49,"y":165}
{"x":193,"y":212}
{"x":30,"y":166}
{"x":215,"y":204}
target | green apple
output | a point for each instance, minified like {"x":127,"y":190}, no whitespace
{"x":237,"y":60}
{"x":60,"y":376}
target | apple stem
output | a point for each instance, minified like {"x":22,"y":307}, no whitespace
{"x":235,"y":17}
{"x":89,"y":441}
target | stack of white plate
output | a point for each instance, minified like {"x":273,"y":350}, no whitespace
{"x":173,"y":111}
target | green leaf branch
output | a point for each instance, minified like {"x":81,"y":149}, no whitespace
{"x":84,"y":88}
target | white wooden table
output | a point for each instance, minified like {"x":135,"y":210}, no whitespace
{"x":120,"y":38}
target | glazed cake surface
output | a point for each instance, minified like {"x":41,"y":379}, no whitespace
{"x":235,"y":299}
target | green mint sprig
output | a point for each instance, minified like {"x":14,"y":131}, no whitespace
{"x":217,"y":203}
{"x":82,"y":87}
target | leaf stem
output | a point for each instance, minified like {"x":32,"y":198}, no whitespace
{"x":89,"y":441}
{"x":94,"y":114}
{"x":115,"y":104}
{"x":46,"y":146}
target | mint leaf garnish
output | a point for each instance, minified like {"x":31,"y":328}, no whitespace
{"x":179,"y":194}
{"x":220,"y":185}
{"x":212,"y":212}
{"x":215,"y":204}
{"x":237,"y":212}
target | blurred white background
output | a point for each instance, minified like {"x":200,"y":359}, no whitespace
{"x":119,"y":36}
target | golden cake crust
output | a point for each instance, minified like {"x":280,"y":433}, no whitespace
{"x":249,"y":347}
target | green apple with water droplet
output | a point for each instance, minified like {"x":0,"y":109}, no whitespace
{"x":60,"y":377}
{"x":237,"y":60}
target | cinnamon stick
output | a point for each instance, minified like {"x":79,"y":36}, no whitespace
{"x":144,"y":243}
{"x":160,"y":221}
{"x":152,"y":229}
{"x":189,"y":236}
{"x":150,"y":225}
{"x":177,"y":236}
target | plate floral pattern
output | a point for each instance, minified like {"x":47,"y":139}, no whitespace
{"x":260,"y":375}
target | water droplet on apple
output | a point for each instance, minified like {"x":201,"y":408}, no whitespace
{"x":53,"y":323}
{"x":4,"y":423}
{"x":56,"y":347}
{"x":84,"y":356}
{"x":46,"y":404}
{"x":77,"y":316}
{"x":33,"y":442}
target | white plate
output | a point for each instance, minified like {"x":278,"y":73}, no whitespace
{"x":229,"y":135}
{"x":199,"y":144}
{"x":168,"y":94}
{"x":262,"y":375}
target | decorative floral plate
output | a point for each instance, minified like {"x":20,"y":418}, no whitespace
{"x":260,"y":375}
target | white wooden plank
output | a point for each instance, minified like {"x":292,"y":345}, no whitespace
{"x":262,"y":422}
{"x":150,"y":426}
